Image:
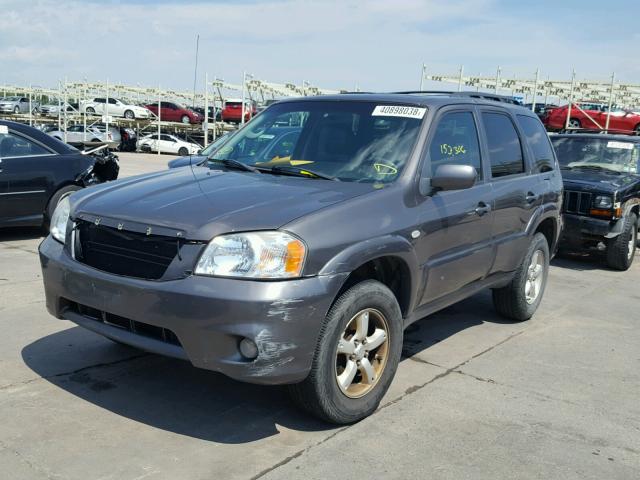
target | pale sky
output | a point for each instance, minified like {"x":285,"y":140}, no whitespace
{"x":376,"y":45}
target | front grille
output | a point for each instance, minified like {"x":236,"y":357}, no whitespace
{"x":139,"y":328}
{"x":577,"y":202}
{"x":125,"y":253}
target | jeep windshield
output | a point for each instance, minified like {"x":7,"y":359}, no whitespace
{"x":577,"y":152}
{"x":348,"y":141}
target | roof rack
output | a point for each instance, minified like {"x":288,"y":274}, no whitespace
{"x":481,"y":95}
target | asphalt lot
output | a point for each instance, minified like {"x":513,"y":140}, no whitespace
{"x":474,"y":397}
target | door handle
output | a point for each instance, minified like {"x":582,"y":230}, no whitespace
{"x":482,"y":209}
{"x":531,"y":197}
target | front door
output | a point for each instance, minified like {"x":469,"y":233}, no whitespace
{"x":454,"y":247}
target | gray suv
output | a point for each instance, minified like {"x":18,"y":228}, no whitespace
{"x":303,"y":267}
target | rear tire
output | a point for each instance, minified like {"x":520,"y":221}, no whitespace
{"x":183,"y":152}
{"x":90,"y":110}
{"x":54,"y":200}
{"x":16,"y":110}
{"x":574,"y":123}
{"x":320,"y":394}
{"x":519,"y":300}
{"x":622,"y":249}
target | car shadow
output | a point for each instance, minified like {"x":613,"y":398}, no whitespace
{"x":20,"y":233}
{"x":174,"y":396}
{"x":582,"y":262}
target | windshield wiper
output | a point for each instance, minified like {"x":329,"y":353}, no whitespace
{"x":299,"y":172}
{"x":231,"y":163}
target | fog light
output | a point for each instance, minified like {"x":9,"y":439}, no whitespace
{"x":248,"y":348}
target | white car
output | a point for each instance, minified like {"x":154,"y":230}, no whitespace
{"x":94,"y":133}
{"x":114,"y":107}
{"x":167,"y":144}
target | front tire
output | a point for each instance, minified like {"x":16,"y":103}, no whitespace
{"x":519,"y":300}
{"x":16,"y":110}
{"x":129,"y":115}
{"x":90,"y":110}
{"x":356,"y":356}
{"x":183,"y":152}
{"x":621,"y":250}
{"x":574,"y":123}
{"x":185,"y":119}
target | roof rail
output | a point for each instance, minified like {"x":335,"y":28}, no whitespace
{"x":482,"y":95}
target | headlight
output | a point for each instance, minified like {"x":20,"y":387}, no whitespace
{"x":253,"y":255}
{"x":603,"y":201}
{"x":59,"y":219}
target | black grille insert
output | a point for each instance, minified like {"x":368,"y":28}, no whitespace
{"x":577,"y":202}
{"x":125,"y":253}
{"x":139,"y":328}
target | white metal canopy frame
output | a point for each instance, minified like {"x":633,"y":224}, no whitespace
{"x":570,"y":91}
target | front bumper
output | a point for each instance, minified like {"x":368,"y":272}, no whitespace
{"x":208,"y":316}
{"x":581,"y":230}
{"x":7,"y":108}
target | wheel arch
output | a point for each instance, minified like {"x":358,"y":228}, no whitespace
{"x":390,"y":260}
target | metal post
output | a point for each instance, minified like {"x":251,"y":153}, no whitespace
{"x":460,"y":78}
{"x":535,"y":90}
{"x":59,"y":105}
{"x":606,"y":125}
{"x":159,"y":118}
{"x":65,"y":110}
{"x":206,"y":109}
{"x":424,"y":67}
{"x":106,"y":113}
{"x":244,"y":79}
{"x":498,"y":79}
{"x":573,"y":79}
{"x":30,"y":107}
{"x":84,"y":116}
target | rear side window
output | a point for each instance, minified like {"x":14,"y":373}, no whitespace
{"x":539,"y":142}
{"x":12,"y":145}
{"x":455,"y":142}
{"x":505,"y":151}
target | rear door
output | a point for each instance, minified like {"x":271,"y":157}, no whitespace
{"x":516,"y":194}
{"x":454,"y":246}
{"x":26,"y":174}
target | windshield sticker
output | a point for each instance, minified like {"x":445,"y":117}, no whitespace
{"x":384,"y":169}
{"x":398,"y":111}
{"x":452,"y":150}
{"x":623,"y":145}
{"x":4,"y":130}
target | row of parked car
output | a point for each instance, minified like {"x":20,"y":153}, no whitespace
{"x":297,"y":249}
{"x":231,"y":110}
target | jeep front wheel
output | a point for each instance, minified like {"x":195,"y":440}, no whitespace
{"x":622,"y":249}
{"x":519,"y":300}
{"x":356,"y":356}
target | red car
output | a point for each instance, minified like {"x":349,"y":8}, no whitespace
{"x":232,"y":110}
{"x":620,"y":120}
{"x":174,"y":112}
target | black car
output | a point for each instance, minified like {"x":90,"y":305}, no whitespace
{"x":37,"y":170}
{"x":304,"y":268}
{"x":602,"y":194}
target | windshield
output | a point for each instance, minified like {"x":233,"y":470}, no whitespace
{"x":615,"y":155}
{"x":349,"y":141}
{"x":216,"y":144}
{"x":11,"y":99}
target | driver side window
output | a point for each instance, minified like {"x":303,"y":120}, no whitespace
{"x":455,"y":142}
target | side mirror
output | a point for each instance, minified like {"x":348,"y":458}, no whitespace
{"x":452,"y":177}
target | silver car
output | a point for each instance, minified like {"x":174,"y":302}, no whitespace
{"x":53,"y":107}
{"x":17,"y":105}
{"x":76,"y":134}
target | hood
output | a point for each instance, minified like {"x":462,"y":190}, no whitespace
{"x":597,"y":180}
{"x":201,"y":203}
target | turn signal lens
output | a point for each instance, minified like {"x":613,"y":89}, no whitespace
{"x":597,"y":212}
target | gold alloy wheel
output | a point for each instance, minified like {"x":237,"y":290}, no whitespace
{"x":362,"y":353}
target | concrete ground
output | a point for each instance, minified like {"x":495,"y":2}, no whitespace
{"x":474,"y":397}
